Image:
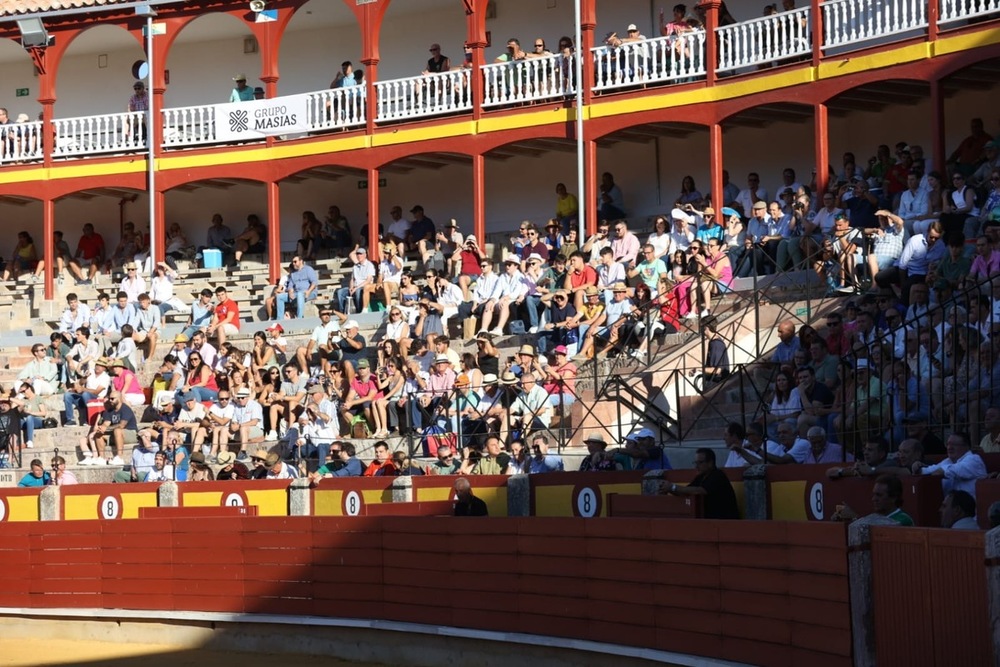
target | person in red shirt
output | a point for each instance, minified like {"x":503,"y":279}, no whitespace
{"x":579,"y":276}
{"x":837,"y":341}
{"x":89,"y":253}
{"x":226,"y":321}
{"x":382,"y":466}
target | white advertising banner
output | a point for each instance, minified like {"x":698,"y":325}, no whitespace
{"x":242,"y":121}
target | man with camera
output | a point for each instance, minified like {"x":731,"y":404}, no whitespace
{"x":322,"y":344}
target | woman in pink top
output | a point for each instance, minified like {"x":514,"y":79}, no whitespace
{"x":716,"y":276}
{"x":126,"y":382}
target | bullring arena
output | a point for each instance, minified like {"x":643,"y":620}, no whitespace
{"x":494,"y":333}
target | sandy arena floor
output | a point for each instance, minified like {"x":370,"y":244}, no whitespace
{"x":32,"y":652}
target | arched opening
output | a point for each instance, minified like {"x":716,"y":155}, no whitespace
{"x":318,"y":189}
{"x":410,"y":28}
{"x":770,"y":140}
{"x":193,"y":204}
{"x":19,"y":77}
{"x":95,"y":74}
{"x":320,"y":36}
{"x":206,"y":56}
{"x":649,"y":163}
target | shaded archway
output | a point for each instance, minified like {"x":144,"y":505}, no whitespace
{"x":408,"y":30}
{"x":317,"y":189}
{"x":207,"y":53}
{"x":650,"y":160}
{"x":320,"y":35}
{"x":193,"y":204}
{"x":95,"y":75}
{"x":769,"y":140}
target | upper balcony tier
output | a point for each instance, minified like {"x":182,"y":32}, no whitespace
{"x":688,"y":55}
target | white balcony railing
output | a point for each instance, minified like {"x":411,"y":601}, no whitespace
{"x":959,"y":10}
{"x":528,"y":80}
{"x":850,"y":22}
{"x":189,"y":126}
{"x":107,"y":133}
{"x":678,"y":58}
{"x":21,"y":142}
{"x":764,"y":41}
{"x":336,"y":108}
{"x":421,"y":96}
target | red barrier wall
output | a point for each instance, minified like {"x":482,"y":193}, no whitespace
{"x":771,"y":592}
{"x":930,"y":597}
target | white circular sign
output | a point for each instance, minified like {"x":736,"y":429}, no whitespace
{"x":3,"y":510}
{"x":586,"y":502}
{"x":234,"y":500}
{"x":352,"y":503}
{"x":110,"y":507}
{"x":815,"y":501}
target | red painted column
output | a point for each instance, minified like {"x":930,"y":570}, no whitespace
{"x":817,"y":32}
{"x":373,"y":209}
{"x":48,"y":245}
{"x":937,"y":126}
{"x":711,"y":41}
{"x":933,"y":14}
{"x":590,"y":184}
{"x":588,"y":22}
{"x":479,"y":198}
{"x":822,"y":133}
{"x":715,"y":167}
{"x":273,"y":231}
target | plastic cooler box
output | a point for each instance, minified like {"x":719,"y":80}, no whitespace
{"x":212,"y":258}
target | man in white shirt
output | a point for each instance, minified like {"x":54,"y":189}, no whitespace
{"x":913,"y":206}
{"x":361,"y":284}
{"x":278,"y":469}
{"x":398,"y":229}
{"x":486,"y":293}
{"x":512,"y":293}
{"x":960,"y":470}
{"x":220,"y":415}
{"x":319,"y":346}
{"x":247,"y":423}
{"x":75,"y":315}
{"x":752,"y":194}
{"x":609,"y":272}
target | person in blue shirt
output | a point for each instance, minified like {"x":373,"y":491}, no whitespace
{"x":242,"y":92}
{"x":37,"y":477}
{"x":302,"y":284}
{"x":645,"y":452}
{"x":541,"y":461}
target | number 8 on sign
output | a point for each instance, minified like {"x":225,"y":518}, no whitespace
{"x":586,"y":502}
{"x":110,"y":507}
{"x":815,"y":501}
{"x":352,"y":503}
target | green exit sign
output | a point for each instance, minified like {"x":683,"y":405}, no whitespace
{"x":23,"y":92}
{"x":363,"y":184}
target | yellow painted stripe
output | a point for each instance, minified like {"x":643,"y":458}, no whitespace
{"x":131,"y":502}
{"x":22,"y":508}
{"x":269,"y":502}
{"x":80,"y":507}
{"x":845,"y":65}
{"x":945,"y":45}
{"x":787,"y":501}
{"x":328,"y":503}
{"x":202,"y":499}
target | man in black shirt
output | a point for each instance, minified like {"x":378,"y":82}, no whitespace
{"x":468,"y":504}
{"x":719,"y":500}
{"x":817,"y":400}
